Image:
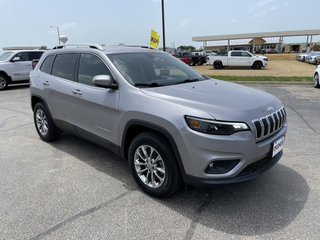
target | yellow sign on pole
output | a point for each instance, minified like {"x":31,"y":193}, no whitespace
{"x":154,"y":40}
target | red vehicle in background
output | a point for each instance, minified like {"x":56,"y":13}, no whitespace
{"x":191,"y":59}
{"x":184,"y":57}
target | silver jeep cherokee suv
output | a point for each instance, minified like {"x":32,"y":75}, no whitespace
{"x":171,"y":123}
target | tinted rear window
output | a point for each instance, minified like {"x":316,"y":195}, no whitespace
{"x":35,"y":55}
{"x":47,"y":65}
{"x":64,"y":66}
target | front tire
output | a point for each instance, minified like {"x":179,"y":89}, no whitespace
{"x":153,"y":165}
{"x":316,"y":80}
{"x":257,"y":65}
{"x":3,"y":82}
{"x":44,"y":124}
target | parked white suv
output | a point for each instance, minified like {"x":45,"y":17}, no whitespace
{"x":171,"y":123}
{"x":15,"y":66}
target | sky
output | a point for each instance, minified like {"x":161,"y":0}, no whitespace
{"x":111,"y":22}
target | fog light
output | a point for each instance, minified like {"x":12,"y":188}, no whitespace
{"x":220,"y":167}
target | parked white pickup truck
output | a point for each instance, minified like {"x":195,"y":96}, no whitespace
{"x":238,"y":58}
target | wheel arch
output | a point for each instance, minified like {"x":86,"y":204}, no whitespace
{"x":36,"y":99}
{"x":217,"y":64}
{"x":6,"y":75}
{"x":259,"y":62}
{"x":135,"y":127}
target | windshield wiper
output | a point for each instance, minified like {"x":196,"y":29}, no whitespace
{"x":153,"y":84}
{"x":188,"y":80}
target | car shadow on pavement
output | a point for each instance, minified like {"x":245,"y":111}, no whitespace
{"x":264,"y":205}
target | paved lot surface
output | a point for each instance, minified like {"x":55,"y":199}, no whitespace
{"x":72,"y":189}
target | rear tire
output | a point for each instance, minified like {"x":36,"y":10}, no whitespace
{"x":217,"y":65}
{"x":316,"y":80}
{"x":153,"y":165}
{"x":44,"y":124}
{"x":4,"y":81}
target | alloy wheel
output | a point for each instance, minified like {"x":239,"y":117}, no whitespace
{"x":41,"y":122}
{"x":149,"y":166}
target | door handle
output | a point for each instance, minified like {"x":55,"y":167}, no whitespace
{"x":46,"y":83}
{"x":77,"y":92}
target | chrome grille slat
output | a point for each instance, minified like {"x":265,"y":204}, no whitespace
{"x":268,"y":125}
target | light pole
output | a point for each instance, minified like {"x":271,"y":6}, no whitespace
{"x":163,"y":30}
{"x":58,"y":32}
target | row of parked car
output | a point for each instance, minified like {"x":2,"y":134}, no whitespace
{"x":312,"y":58}
{"x":194,"y":58}
{"x":309,"y":57}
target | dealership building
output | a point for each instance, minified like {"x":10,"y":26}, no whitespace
{"x":254,"y":42}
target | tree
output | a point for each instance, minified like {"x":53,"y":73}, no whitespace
{"x":43,"y":47}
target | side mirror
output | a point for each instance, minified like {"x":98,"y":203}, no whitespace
{"x":16,"y":59}
{"x":104,"y":81}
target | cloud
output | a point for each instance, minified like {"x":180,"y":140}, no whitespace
{"x":259,"y":4}
{"x":186,"y":22}
{"x":67,"y":26}
{"x":261,"y":9}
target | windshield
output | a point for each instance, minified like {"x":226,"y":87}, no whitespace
{"x":153,"y":69}
{"x":5,"y":56}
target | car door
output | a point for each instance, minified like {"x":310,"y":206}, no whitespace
{"x":96,"y":108}
{"x":239,"y":59}
{"x":246,"y":59}
{"x":57,"y":81}
{"x":235,"y":59}
{"x":20,"y":66}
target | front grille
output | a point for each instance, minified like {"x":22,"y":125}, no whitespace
{"x":253,"y":167}
{"x":270,"y":124}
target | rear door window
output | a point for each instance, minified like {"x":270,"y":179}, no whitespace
{"x":64,"y":66}
{"x":35,"y":55}
{"x":236,"y":54}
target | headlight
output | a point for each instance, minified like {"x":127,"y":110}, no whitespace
{"x":215,"y":127}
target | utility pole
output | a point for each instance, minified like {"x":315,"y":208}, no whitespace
{"x":58,"y":32}
{"x":163,"y":27}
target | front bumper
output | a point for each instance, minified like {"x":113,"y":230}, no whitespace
{"x":251,"y":172}
{"x":251,"y":158}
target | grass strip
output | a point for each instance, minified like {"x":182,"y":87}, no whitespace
{"x":263,"y":79}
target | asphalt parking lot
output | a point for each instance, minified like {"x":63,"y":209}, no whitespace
{"x":73,"y":189}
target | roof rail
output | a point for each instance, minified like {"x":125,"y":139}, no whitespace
{"x":95,"y":46}
{"x":149,"y":47}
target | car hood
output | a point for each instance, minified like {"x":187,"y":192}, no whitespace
{"x":222,"y":100}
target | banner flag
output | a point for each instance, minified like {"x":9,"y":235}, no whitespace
{"x":154,"y":40}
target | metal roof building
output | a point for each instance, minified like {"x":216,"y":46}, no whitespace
{"x":280,"y":34}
